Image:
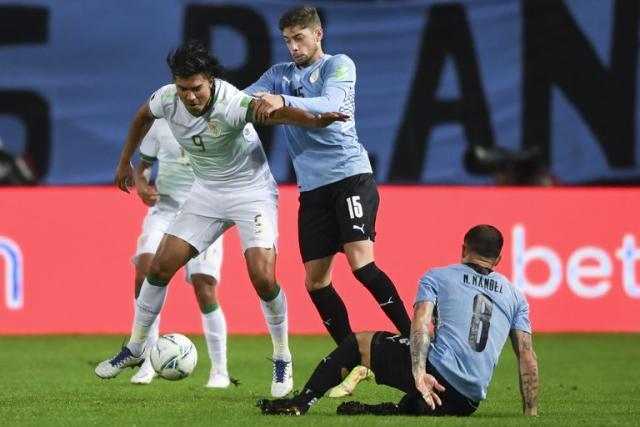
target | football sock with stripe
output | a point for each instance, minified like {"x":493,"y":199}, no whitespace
{"x":274,"y":309}
{"x":148,"y":306}
{"x":332,"y":312}
{"x":154,"y":332}
{"x":215,"y":332}
{"x":386,"y":294}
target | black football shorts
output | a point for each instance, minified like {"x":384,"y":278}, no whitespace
{"x":338,"y":213}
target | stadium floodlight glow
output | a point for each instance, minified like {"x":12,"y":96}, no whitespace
{"x":13,"y":277}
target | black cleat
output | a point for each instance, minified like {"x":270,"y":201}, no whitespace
{"x":359,"y":408}
{"x":281,"y":407}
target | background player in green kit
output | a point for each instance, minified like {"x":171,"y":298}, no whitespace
{"x":233,"y":185}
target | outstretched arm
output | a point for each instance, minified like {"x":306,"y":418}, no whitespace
{"x":527,"y":369}
{"x":140,"y":125}
{"x":419,"y":347}
{"x":294,"y":116}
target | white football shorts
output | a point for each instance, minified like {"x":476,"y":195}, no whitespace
{"x":208,"y":213}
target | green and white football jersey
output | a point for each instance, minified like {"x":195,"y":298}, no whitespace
{"x":225,"y":151}
{"x":175,"y":176}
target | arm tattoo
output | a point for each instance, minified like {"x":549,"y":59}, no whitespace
{"x":419,"y":346}
{"x":528,"y":368}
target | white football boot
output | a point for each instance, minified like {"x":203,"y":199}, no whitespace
{"x":218,"y":379}
{"x":124,"y":359}
{"x":145,"y":374}
{"x":282,"y":382}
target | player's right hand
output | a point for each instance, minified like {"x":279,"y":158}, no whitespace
{"x":124,"y":176}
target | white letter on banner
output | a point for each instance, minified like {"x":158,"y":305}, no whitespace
{"x":629,"y":254}
{"x":522,"y":256}
{"x":13,"y":279}
{"x":575,"y":272}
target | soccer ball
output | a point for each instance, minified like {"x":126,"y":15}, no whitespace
{"x":174,"y":357}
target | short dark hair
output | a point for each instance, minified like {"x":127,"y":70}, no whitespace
{"x":193,"y":58}
{"x":304,"y":17}
{"x":484,"y":240}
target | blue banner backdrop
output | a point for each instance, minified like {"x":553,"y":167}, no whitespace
{"x":433,"y":79}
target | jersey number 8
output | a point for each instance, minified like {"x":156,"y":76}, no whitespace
{"x":480,"y":322}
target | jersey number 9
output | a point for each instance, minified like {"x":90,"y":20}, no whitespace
{"x":197,"y":141}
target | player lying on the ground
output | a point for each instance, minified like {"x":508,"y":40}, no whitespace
{"x":173,"y":183}
{"x":474,"y":310}
{"x":211,"y":120}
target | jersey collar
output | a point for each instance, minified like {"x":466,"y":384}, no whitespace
{"x":478,"y":268}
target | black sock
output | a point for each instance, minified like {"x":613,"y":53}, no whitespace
{"x":383,"y":290}
{"x":328,"y":373}
{"x":332,"y":311}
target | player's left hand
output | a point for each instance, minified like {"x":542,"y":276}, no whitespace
{"x":428,"y":385}
{"x":124,"y":176}
{"x":266,"y":104}
{"x":325,"y":119}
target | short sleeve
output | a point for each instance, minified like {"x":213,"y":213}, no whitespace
{"x":521,"y":319}
{"x":151,"y":144}
{"x":428,"y":288}
{"x":236,"y":111}
{"x":160,"y":99}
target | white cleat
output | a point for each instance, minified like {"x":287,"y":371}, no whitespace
{"x":112,"y":367}
{"x":282,"y":382}
{"x":145,"y":374}
{"x":218,"y":380}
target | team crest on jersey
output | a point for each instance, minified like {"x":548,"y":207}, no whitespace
{"x":215,"y":129}
{"x":258,"y":224}
{"x":314,"y":75}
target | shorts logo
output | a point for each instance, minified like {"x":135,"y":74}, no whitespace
{"x":359,"y":227}
{"x":175,"y":217}
{"x":215,"y":129}
{"x":258,"y":224}
{"x":13,"y":273}
{"x":401,"y":340}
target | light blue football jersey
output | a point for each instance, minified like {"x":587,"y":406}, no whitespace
{"x":475,"y":314}
{"x":326,"y":155}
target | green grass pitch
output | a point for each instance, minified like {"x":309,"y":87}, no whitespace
{"x":584,"y":380}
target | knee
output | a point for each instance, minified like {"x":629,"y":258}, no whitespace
{"x":367,"y":273}
{"x":314,"y":285}
{"x":160,"y":272}
{"x":204,"y":287}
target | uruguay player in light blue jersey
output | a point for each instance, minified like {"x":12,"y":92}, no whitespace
{"x":338,"y":195}
{"x":473,"y":309}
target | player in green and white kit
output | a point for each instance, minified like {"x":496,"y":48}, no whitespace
{"x":173,"y":184}
{"x":210,"y":119}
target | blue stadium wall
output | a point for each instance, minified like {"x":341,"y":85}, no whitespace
{"x":434,"y":78}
